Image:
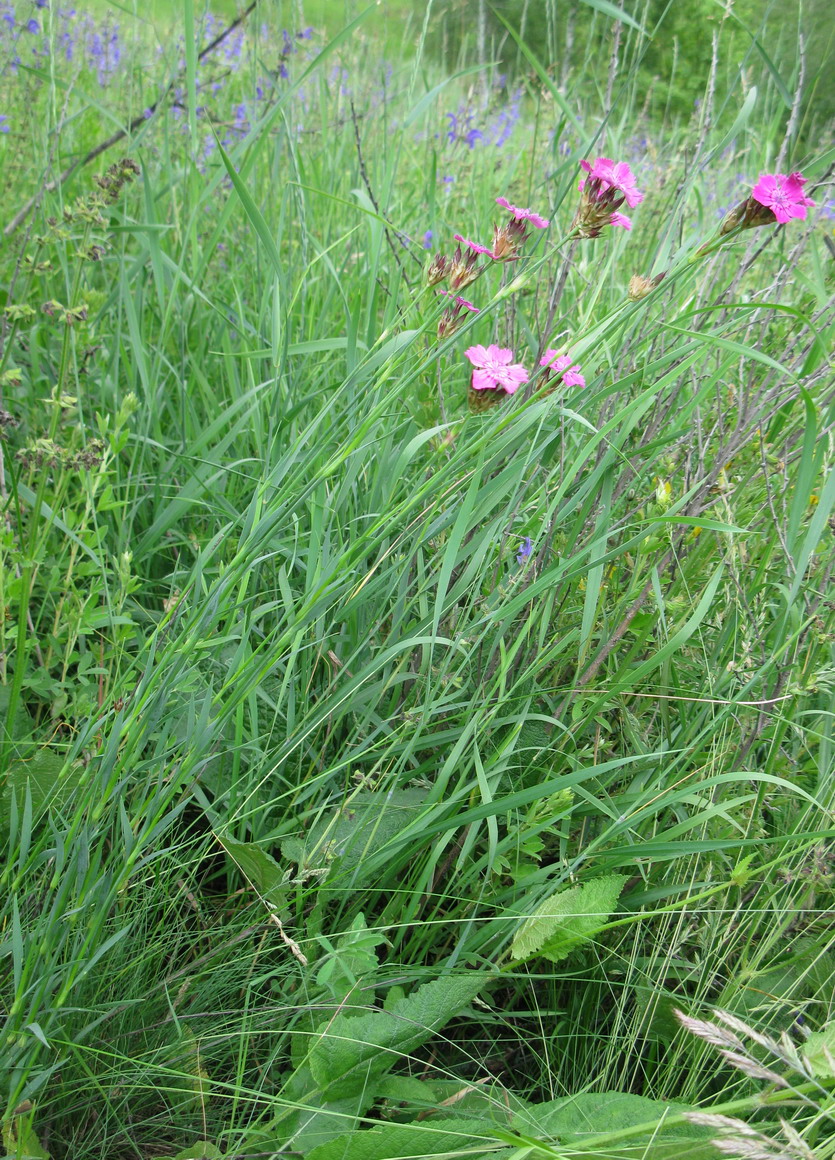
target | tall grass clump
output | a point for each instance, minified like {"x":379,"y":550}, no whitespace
{"x":416,"y":659}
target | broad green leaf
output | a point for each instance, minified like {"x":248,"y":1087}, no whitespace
{"x":202,"y":1150}
{"x":567,"y":919}
{"x":406,"y":1141}
{"x":258,"y":867}
{"x":20,"y":1140}
{"x":21,"y":725}
{"x":575,"y":1120}
{"x":772,"y":996}
{"x":318,"y":1117}
{"x":656,"y":1008}
{"x":345,"y":837}
{"x":353,"y":957}
{"x":186,"y":1061}
{"x":819,"y":1051}
{"x":48,"y":777}
{"x":352,"y":1049}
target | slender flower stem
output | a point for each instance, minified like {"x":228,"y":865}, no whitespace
{"x":444,"y":419}
{"x":553,"y":306}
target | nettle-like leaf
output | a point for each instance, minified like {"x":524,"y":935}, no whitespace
{"x":573,"y":1120}
{"x":567,"y":919}
{"x":344,"y":838}
{"x":48,"y":777}
{"x":319,"y":1117}
{"x":20,"y":1141}
{"x":354,"y":1049}
{"x":443,"y":1099}
{"x":405,"y":1141}
{"x":819,"y":1052}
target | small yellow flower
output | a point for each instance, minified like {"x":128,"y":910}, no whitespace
{"x":663,"y":493}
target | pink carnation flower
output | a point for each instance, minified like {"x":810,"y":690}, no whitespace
{"x":560,"y":365}
{"x":775,"y":198}
{"x":493,"y":369}
{"x":613,"y":175}
{"x":782,"y":195}
{"x":609,"y":184}
{"x":523,"y":215}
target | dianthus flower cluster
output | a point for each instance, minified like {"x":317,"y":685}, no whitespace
{"x":470,"y":259}
{"x":606,"y":187}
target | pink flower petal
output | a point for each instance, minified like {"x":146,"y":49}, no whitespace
{"x":560,"y":364}
{"x":613,"y":175}
{"x":483,"y":381}
{"x":783,"y":195}
{"x":493,"y":368}
{"x":524,"y":215}
{"x":477,"y":355}
{"x":474,"y":246}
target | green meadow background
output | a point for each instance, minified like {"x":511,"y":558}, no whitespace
{"x":380,"y":779}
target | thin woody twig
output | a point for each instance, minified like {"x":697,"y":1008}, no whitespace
{"x":109,"y":142}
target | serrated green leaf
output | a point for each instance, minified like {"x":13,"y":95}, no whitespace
{"x":353,"y":958}
{"x":318,"y":1117}
{"x":573,"y":1120}
{"x":352,"y":1050}
{"x":201,"y":1150}
{"x":566,"y":920}
{"x":21,"y":725}
{"x":405,"y":1089}
{"x":819,"y":1052}
{"x":406,"y":1141}
{"x":346,"y":836}
{"x":21,"y":1142}
{"x":656,"y":1009}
